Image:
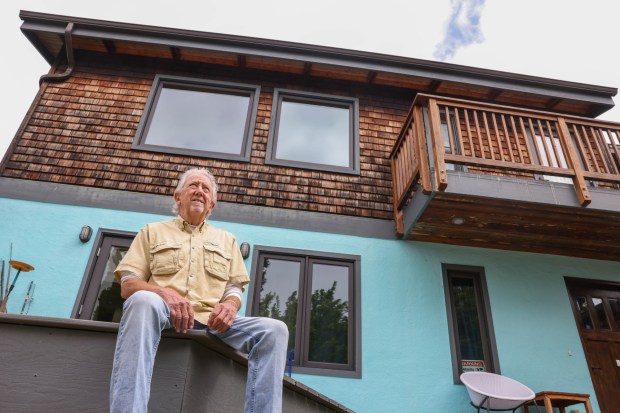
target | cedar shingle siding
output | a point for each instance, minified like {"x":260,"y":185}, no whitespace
{"x":81,"y":132}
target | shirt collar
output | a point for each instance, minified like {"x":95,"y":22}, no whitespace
{"x":184,"y":226}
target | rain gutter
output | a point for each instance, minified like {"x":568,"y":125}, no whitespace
{"x":60,"y":77}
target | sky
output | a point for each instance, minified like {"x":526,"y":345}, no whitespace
{"x":558,"y":39}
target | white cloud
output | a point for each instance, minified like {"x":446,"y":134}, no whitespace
{"x":463,"y":28}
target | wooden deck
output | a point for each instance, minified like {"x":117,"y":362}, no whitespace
{"x":491,"y":176}
{"x":60,"y":365}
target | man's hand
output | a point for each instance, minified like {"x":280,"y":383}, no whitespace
{"x":222,"y":316}
{"x":181,"y":313}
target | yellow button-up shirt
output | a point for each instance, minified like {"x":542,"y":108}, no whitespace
{"x":197,"y":263}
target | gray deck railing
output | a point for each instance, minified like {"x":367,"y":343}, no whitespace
{"x":64,"y":365}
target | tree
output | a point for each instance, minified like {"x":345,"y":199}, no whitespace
{"x":329,"y":327}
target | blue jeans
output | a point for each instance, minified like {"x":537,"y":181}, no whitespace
{"x":145,"y":315}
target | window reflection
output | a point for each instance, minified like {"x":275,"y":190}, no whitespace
{"x":584,"y":314}
{"x":329,"y":314}
{"x":599,"y":309}
{"x":309,"y":132}
{"x":199,"y":119}
{"x":467,"y":318}
{"x":109,"y":305}
{"x":279,"y":293}
{"x":615,"y":310}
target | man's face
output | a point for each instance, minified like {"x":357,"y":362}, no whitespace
{"x":195,"y":199}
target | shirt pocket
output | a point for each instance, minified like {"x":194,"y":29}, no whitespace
{"x":167,"y":258}
{"x":217,"y":261}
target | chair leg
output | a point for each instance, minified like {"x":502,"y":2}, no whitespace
{"x":537,"y":407}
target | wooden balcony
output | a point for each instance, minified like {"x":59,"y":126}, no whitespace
{"x":483,"y":175}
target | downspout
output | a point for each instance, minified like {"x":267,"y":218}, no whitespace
{"x":59,"y":77}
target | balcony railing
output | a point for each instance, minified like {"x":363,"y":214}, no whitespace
{"x":442,"y":133}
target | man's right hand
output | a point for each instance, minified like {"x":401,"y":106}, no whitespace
{"x":181,"y":313}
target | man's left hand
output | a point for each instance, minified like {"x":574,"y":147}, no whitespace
{"x":222,"y":316}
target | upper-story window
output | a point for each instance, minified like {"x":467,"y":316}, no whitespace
{"x":199,"y":118}
{"x":314,"y":131}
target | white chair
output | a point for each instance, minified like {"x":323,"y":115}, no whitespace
{"x":494,"y":392}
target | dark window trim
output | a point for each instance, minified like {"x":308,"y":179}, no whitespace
{"x":188,"y":83}
{"x":102,"y":233}
{"x":355,"y":288}
{"x":481,"y":285}
{"x":319,"y":99}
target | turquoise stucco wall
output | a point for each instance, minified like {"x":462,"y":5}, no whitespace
{"x":405,"y":349}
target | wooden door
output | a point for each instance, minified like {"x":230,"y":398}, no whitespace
{"x":596,"y":306}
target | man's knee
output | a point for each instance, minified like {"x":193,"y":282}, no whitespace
{"x":277,"y":329}
{"x":142,"y":301}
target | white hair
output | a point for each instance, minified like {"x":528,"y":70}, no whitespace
{"x":183,"y":178}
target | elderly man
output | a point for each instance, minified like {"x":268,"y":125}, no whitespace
{"x":186,"y":274}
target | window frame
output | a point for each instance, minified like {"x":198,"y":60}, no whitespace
{"x":318,"y":99}
{"x":195,"y":84}
{"x":87,"y":294}
{"x":477,"y":274}
{"x":307,"y":257}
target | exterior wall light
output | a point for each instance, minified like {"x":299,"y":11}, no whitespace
{"x":458,"y":221}
{"x":86,"y":233}
{"x":245,"y":250}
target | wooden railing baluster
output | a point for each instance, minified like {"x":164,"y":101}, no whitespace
{"x":581,"y":188}
{"x":478,"y":134}
{"x":422,"y":147}
{"x":497,"y":137}
{"x":449,"y":128}
{"x":472,"y":147}
{"x":507,"y":135}
{"x":536,"y":146}
{"x":582,"y":151}
{"x":488,"y":134}
{"x":601,"y":167}
{"x":460,"y":149}
{"x":441,"y":180}
{"x":518,"y":141}
{"x":609,"y":160}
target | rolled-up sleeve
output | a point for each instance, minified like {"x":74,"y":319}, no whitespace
{"x":137,"y":259}
{"x":238,"y":272}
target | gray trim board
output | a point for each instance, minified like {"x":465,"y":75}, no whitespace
{"x":228,"y":212}
{"x":100,"y":29}
{"x":504,"y":188}
{"x":71,"y":371}
{"x":529,"y":190}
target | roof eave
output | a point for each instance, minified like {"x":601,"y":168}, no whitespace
{"x":598,"y":96}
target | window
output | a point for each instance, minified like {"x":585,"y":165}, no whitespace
{"x":199,"y":118}
{"x":314,"y":131}
{"x":318,"y":296}
{"x":100,"y":294}
{"x":472,"y":339}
